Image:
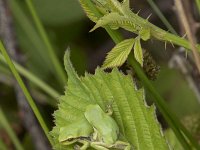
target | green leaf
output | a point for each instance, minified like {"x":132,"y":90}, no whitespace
{"x":115,"y":19}
{"x":115,"y":6}
{"x":138,"y":51}
{"x":5,"y":124}
{"x":86,"y":5}
{"x":106,"y":19}
{"x":136,"y":121}
{"x":118,"y":55}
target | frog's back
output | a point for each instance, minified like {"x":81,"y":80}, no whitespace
{"x":103,"y":123}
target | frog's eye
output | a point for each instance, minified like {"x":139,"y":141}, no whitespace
{"x":70,"y":139}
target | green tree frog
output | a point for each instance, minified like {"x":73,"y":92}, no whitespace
{"x":106,"y":130}
{"x":97,"y":129}
{"x":77,"y":132}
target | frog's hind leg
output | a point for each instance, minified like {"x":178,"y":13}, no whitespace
{"x":98,"y":146}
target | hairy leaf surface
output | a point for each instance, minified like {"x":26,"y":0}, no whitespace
{"x":138,"y":51}
{"x":118,"y":55}
{"x":85,"y":4}
{"x":115,"y":19}
{"x":137,"y":122}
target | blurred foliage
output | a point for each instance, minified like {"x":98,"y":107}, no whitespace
{"x":66,"y":25}
{"x":173,"y":86}
{"x":58,"y":13}
{"x":192,"y":123}
{"x":2,"y":145}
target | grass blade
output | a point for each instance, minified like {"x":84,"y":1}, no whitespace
{"x":10,"y":132}
{"x":161,"y":16}
{"x":59,"y":69}
{"x":198,"y":5}
{"x":25,"y":91}
{"x":34,"y":79}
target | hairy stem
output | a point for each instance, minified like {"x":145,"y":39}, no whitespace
{"x":161,"y":34}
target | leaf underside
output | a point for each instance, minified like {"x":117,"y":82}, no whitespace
{"x":137,"y":122}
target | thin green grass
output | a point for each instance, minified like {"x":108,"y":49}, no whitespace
{"x":25,"y":91}
{"x":4,"y":122}
{"x":35,"y":80}
{"x":61,"y":76}
{"x":198,"y":5}
{"x":162,"y":17}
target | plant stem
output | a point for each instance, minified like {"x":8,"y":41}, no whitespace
{"x":161,"y":34}
{"x":9,"y":130}
{"x":161,"y":16}
{"x":25,"y":91}
{"x":170,"y":117}
{"x":160,"y":102}
{"x":60,"y":71}
{"x":42,"y":85}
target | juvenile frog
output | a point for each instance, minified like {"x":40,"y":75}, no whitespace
{"x":106,"y":130}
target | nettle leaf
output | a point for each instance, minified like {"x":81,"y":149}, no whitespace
{"x":115,"y":6}
{"x":137,"y":121}
{"x":118,"y":55}
{"x":138,"y":51}
{"x":105,"y":20}
{"x":119,"y":15}
{"x":115,"y":19}
{"x":85,"y":4}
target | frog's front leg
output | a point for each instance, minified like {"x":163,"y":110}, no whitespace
{"x":85,"y":145}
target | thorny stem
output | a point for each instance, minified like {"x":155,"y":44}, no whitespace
{"x":161,"y":16}
{"x":161,"y":34}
